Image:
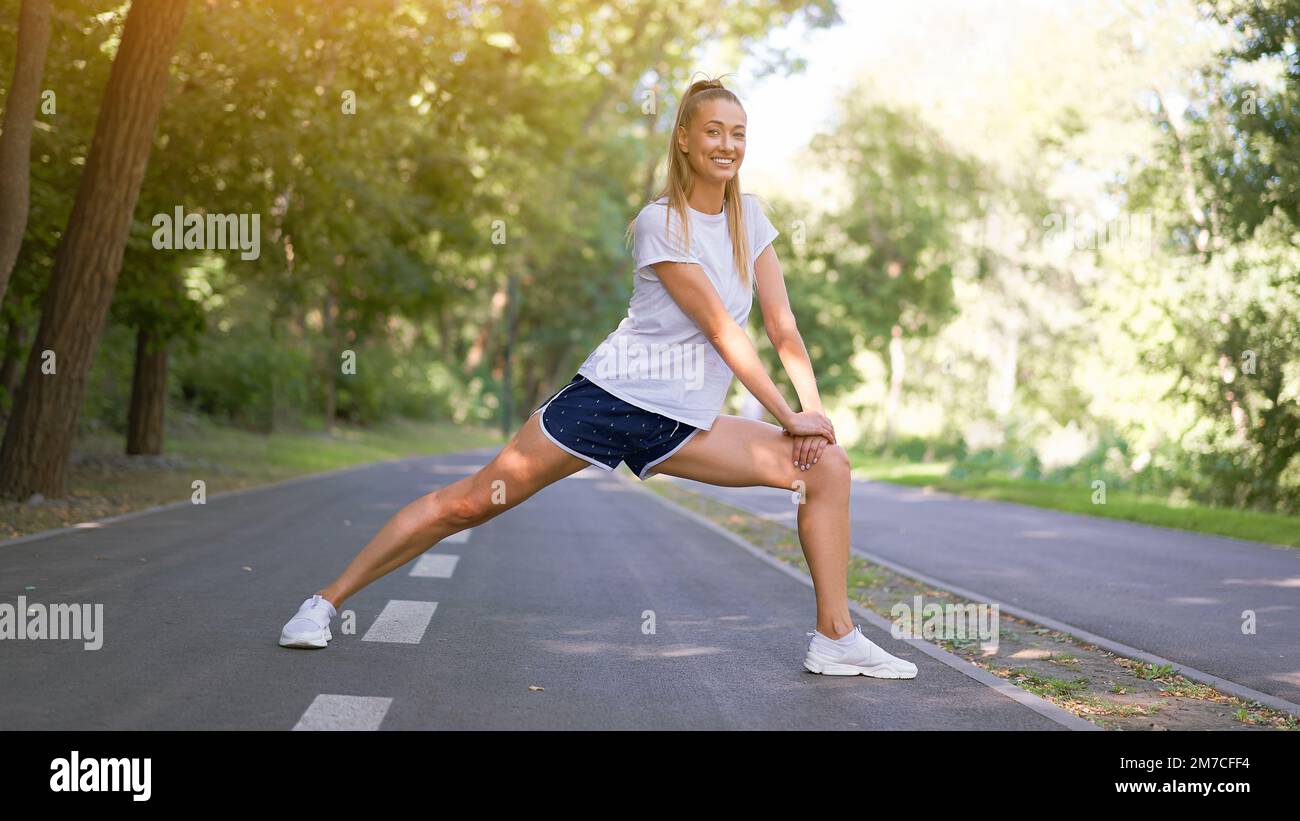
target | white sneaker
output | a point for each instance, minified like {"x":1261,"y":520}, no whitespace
{"x":310,"y":627}
{"x":863,"y":657}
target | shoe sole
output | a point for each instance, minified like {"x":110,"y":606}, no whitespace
{"x":830,"y":668}
{"x":307,"y":641}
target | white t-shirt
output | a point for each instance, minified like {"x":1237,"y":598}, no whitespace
{"x":658,"y":358}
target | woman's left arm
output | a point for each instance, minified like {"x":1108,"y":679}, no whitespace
{"x":783,"y":331}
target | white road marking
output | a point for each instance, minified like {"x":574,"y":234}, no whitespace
{"x":402,"y":622}
{"x":334,"y":712}
{"x":435,"y":566}
{"x":454,"y":468}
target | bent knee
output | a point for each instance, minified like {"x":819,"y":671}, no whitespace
{"x":833,"y":463}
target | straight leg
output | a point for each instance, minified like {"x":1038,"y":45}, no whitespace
{"x":527,"y":464}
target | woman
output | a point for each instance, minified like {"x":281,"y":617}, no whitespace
{"x":651,"y":393}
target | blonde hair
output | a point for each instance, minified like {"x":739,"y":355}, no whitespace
{"x":681,"y":178}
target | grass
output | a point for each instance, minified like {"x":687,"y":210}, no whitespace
{"x":1274,"y":528}
{"x":103,"y":482}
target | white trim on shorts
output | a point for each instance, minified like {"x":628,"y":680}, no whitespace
{"x":642,"y":475}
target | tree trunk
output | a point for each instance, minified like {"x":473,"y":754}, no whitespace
{"x":332,"y":362}
{"x":9,"y":367}
{"x":273,"y":321}
{"x":478,"y":351}
{"x":1191,"y":198}
{"x":16,"y":142}
{"x":38,"y":439}
{"x":444,"y":336}
{"x":512,"y":328}
{"x":897,"y":370}
{"x":144,"y":424}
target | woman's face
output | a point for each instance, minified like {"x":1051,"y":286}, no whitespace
{"x":715,"y":141}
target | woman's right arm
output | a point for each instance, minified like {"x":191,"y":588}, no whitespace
{"x":691,"y":289}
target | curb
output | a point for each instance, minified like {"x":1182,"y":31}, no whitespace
{"x":1039,"y":705}
{"x":1119,"y":648}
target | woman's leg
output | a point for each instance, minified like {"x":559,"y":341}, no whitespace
{"x":527,"y":464}
{"x":740,"y":452}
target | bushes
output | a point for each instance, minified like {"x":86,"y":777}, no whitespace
{"x":240,"y":377}
{"x":920,"y":449}
{"x":390,"y":383}
{"x":1003,"y":462}
{"x":1219,"y":476}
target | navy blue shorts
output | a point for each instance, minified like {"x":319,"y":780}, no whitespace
{"x":593,"y":424}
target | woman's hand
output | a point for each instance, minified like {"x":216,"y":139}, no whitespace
{"x":808,"y":449}
{"x":812,"y":432}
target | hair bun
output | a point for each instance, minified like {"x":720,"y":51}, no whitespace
{"x":701,"y":85}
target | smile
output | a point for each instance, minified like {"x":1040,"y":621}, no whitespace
{"x":724,"y":161}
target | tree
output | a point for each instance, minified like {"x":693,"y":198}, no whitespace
{"x":883,"y":265}
{"x":38,"y":439}
{"x":16,"y":142}
{"x":1225,"y":177}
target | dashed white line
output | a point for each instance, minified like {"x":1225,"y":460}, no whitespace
{"x":435,"y":566}
{"x":402,"y":622}
{"x":335,"y":712}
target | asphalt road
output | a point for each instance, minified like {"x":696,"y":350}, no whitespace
{"x":1172,"y":593}
{"x":550,"y":594}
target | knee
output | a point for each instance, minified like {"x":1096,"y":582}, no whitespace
{"x":833,"y":465}
{"x":465,"y":511}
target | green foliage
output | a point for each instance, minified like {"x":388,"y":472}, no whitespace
{"x":465,"y":118}
{"x":463,"y":227}
{"x":1257,"y":170}
{"x":1227,"y":181}
{"x":1020,"y":463}
{"x":243,"y":377}
{"x":916,"y":449}
{"x":390,"y":383}
{"x":889,"y":254}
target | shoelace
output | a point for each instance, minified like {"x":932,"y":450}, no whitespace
{"x":318,"y":603}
